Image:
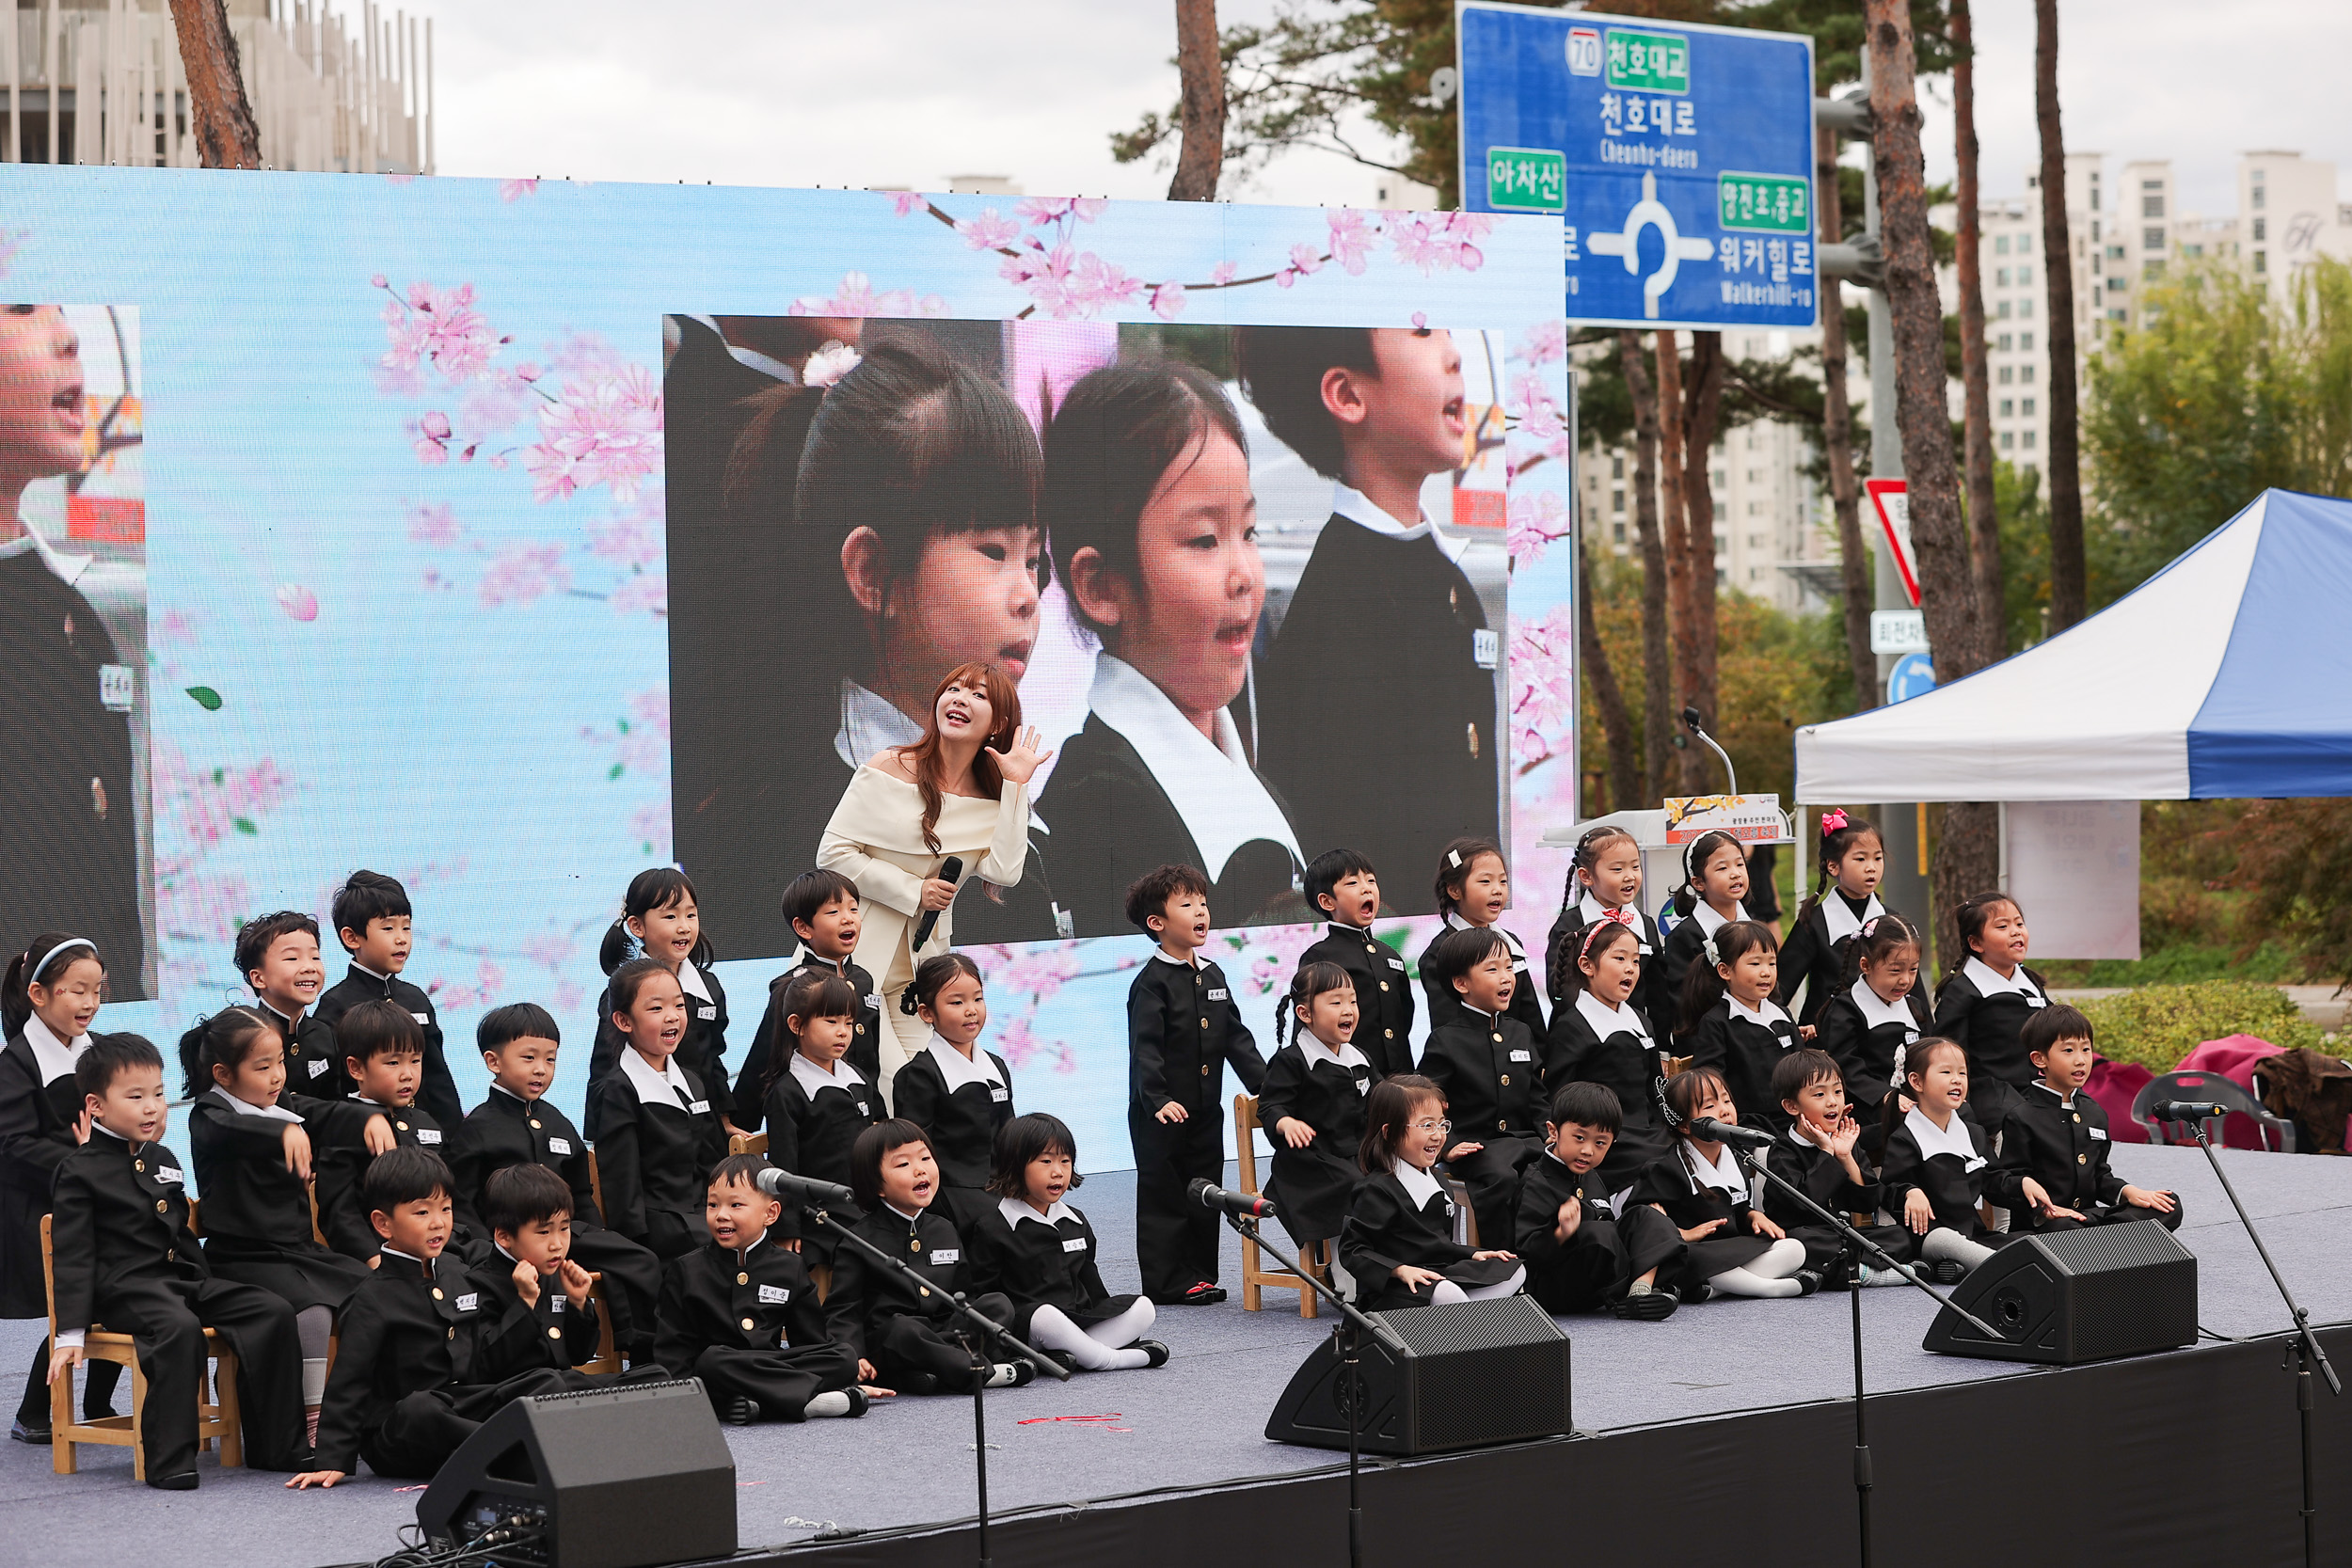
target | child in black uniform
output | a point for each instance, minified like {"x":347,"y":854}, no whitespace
{"x":252,"y":1140}
{"x":1599,"y":1037}
{"x":541,"y":1309}
{"x":125,"y":1257}
{"x":1039,"y":1251}
{"x":1343,"y":886}
{"x":373,"y":921}
{"x":821,"y":908}
{"x":1489,"y":1070}
{"x":278,"y":956}
{"x":905,"y":1336}
{"x":1875,"y":1016}
{"x":1473,"y":888}
{"x":1312,"y":1105}
{"x":514,"y":1126}
{"x":659,"y":922}
{"x":2056,"y":1139}
{"x":1816,"y":1155}
{"x":659,"y":1137}
{"x":1937,"y":1163}
{"x":1730,"y":1021}
{"x":1183,"y":1028}
{"x":47,"y":1004}
{"x":1378,"y":411}
{"x":1605,"y":883}
{"x":1701,"y":1187}
{"x":1397,"y":1248}
{"x":1715,"y":880}
{"x":1584,"y":1251}
{"x":814,"y":1102}
{"x":384,"y":1056}
{"x":959,"y":1095}
{"x":1985,"y":1000}
{"x":1845,"y":901}
{"x":740,"y":1314}
{"x":411,"y":1379}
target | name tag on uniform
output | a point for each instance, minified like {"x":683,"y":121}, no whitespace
{"x":318,"y":1067}
{"x":1363,"y":1086}
{"x":428,"y":1135}
{"x":470,"y":1300}
{"x":1643,"y":948}
{"x":774,"y":1295}
{"x":2099,"y":1135}
{"x":115,"y":690}
{"x":1487,"y":648}
{"x":873,"y":1002}
{"x":699,"y":1107}
{"x":1396,"y":963}
{"x":555,"y":1302}
{"x":559,"y":1145}
{"x":1522,"y":1055}
{"x":2037,"y":1001}
{"x":1217,"y":994}
{"x":947,"y":1254}
{"x":862,"y":1108}
{"x":707,"y":1012}
{"x":1075,"y":1243}
{"x":998,"y":1093}
{"x":422,"y":1018}
{"x":166,"y":1176}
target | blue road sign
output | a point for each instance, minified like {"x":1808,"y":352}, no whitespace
{"x":1913,"y":676}
{"x":1680,"y":157}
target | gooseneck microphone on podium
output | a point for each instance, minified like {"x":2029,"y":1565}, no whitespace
{"x":949,"y":869}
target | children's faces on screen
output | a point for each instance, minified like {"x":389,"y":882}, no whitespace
{"x":656,"y":1020}
{"x":41,"y":392}
{"x":971,"y":596}
{"x":1187,"y":619}
{"x":1411,"y":412}
{"x":958,"y":1012}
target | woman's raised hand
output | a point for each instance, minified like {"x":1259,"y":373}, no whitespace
{"x":1024,"y":758}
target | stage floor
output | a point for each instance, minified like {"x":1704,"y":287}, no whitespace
{"x":1196,"y":1421}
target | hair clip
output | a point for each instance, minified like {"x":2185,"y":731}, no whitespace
{"x":1454,"y":858}
{"x":1833,"y":820}
{"x":1869,"y":926}
{"x":1714,"y":954}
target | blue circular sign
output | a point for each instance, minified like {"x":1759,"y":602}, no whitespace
{"x":1913,"y":676}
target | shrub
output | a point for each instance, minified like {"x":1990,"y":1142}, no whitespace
{"x":2157,"y":1026}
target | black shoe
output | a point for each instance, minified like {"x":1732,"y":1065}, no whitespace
{"x":20,"y":1432}
{"x":1023,"y":1373}
{"x":184,"y":1481}
{"x":1155,"y":1350}
{"x":739,"y":1410}
{"x":1807,"y":1282}
{"x":1694,"y":1294}
{"x":859,"y":1403}
{"x":1063,"y":1359}
{"x":1947,"y":1270}
{"x":1650,"y":1307}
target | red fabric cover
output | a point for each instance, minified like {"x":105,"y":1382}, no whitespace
{"x":2114,"y":1085}
{"x":2234,"y":1057}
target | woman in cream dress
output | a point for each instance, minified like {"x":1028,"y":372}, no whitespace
{"x":909,"y":808}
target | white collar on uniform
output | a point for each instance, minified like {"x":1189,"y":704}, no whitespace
{"x":1195,"y":961}
{"x":1933,"y":1140}
{"x":663,"y":1087}
{"x":1418,"y":1184}
{"x":272,"y":1112}
{"x":67,"y":569}
{"x":1988,"y":983}
{"x":1222,"y":801}
{"x":54,"y":1056}
{"x":1015,"y":1209}
{"x":1358,"y":508}
{"x":691,"y":980}
{"x":1340,"y":927}
{"x":1606,"y":1021}
{"x":96,"y":1126}
{"x":1314,"y":1051}
{"x":1709,"y":922}
{"x":1877,"y":1011}
{"x":1519,"y":950}
{"x":370,"y":973}
{"x":871,"y":725}
{"x":960,"y":1069}
{"x":1839,"y":918}
{"x":2066,"y":1103}
{"x":812,"y":1077}
{"x":1761,"y":1017}
{"x":901,"y":1213}
{"x":1723,"y":1173}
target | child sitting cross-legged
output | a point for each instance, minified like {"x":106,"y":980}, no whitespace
{"x":1397,"y":1248}
{"x":1700,"y":1186}
{"x":2057,"y":1135}
{"x":1584,"y":1250}
{"x":740,"y":1313}
{"x":1816,"y":1156}
{"x":541,"y":1311}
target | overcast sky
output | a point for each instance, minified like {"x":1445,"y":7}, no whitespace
{"x":908,"y":92}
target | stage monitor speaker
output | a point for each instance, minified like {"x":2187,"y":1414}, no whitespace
{"x":608,"y":1478}
{"x":1469,"y":1373}
{"x":2065,"y":1296}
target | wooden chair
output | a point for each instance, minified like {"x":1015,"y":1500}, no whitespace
{"x":1255,"y":1277}
{"x":218,"y":1421}
{"x":608,"y":1357}
{"x":819,"y":1275}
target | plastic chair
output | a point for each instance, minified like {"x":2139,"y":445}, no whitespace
{"x":1255,"y":1276}
{"x":217,"y":1422}
{"x":2209,"y":1086}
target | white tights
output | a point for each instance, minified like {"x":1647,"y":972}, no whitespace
{"x":1445,"y":1289}
{"x":1767,"y":1275}
{"x":1943,"y":1243}
{"x":1106,"y":1347}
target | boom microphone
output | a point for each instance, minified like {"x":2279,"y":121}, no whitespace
{"x":949,"y":869}
{"x":782,"y":1184}
{"x":1210,"y":1196}
{"x":2182,"y":1110}
{"x":1729,"y":1132}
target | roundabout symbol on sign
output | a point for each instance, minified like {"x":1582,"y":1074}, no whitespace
{"x":1650,"y":212}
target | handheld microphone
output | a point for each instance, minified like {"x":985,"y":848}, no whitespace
{"x":2183,"y":1110}
{"x":782,"y":1184}
{"x":1210,"y":1196}
{"x":1729,"y":1132}
{"x":949,"y":870}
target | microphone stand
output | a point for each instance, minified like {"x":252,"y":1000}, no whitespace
{"x":973,"y":1327}
{"x":2307,"y":1351}
{"x":1345,"y":1333}
{"x":1856,"y":1246}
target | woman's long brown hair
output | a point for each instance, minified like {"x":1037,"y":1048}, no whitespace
{"x":923,"y":758}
